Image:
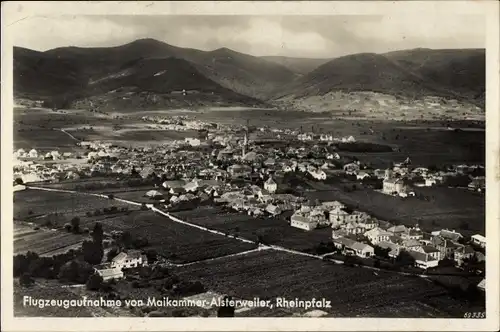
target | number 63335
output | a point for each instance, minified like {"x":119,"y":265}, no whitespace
{"x":480,"y":314}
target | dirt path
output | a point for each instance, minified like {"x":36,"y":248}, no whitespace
{"x":73,"y":137}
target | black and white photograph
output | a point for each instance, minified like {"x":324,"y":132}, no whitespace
{"x":268,"y":165}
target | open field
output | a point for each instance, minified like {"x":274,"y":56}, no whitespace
{"x":179,"y":243}
{"x":33,"y":203}
{"x":42,"y":241}
{"x":272,"y":230}
{"x":352,"y":291}
{"x":450,"y":208}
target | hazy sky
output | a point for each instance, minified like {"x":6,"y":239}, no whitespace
{"x":298,"y":36}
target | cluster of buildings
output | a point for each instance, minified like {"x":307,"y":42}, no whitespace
{"x":124,"y":260}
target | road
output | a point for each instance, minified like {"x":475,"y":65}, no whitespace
{"x":73,"y":137}
{"x":213,"y":231}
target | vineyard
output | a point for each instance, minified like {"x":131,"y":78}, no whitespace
{"x":352,"y":291}
{"x":270,"y":230}
{"x":43,"y":242}
{"x":179,"y":243}
{"x":32,"y":203}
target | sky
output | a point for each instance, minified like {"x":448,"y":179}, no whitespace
{"x":294,"y":36}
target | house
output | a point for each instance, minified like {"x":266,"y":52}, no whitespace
{"x":394,"y":249}
{"x":192,"y":141}
{"x":333,"y":206}
{"x":463,"y":253}
{"x":192,"y":186}
{"x":432,"y":252}
{"x":411,"y":244}
{"x":33,"y":153}
{"x":394,"y":186}
{"x":477,"y":184}
{"x":154,"y":194}
{"x":448,"y":235}
{"x":479,"y":240}
{"x":340,"y":216}
{"x":351,"y":168}
{"x":342,"y":242}
{"x":423,"y":260}
{"x":446,"y":247}
{"x":239,"y":171}
{"x":377,"y":235}
{"x":397,"y":230}
{"x":362,"y":249}
{"x":108,"y":273}
{"x":353,"y":228}
{"x":273,"y":209}
{"x":174,"y":184}
{"x":413,"y":233}
{"x":317,"y":174}
{"x":362,"y":175}
{"x":300,"y":221}
{"x":270,"y":185}
{"x":129,"y":259}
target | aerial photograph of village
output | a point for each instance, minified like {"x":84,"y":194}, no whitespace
{"x":249,"y":166}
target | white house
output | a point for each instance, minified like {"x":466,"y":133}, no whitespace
{"x":33,"y":153}
{"x":377,"y":235}
{"x":270,"y":185}
{"x":318,"y":174}
{"x":129,"y":259}
{"x":422,"y":260}
{"x":300,"y":221}
{"x":361,"y":249}
{"x":478,"y":240}
{"x":109,"y":273}
{"x":192,"y":141}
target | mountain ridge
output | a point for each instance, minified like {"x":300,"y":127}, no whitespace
{"x":238,"y":77}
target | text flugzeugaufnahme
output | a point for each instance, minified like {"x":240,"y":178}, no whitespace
{"x":279,"y":302}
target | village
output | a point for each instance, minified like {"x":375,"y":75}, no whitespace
{"x":261,"y":172}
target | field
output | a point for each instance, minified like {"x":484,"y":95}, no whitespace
{"x":426,"y":142}
{"x":450,"y":208}
{"x":353,"y":292}
{"x":34,"y":203}
{"x":178,"y":242}
{"x":42,"y":241}
{"x":272,"y":231}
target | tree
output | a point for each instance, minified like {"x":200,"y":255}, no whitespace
{"x":26,"y":280}
{"x":92,"y":252}
{"x":67,"y":227}
{"x":97,"y":233}
{"x":405,"y":259}
{"x":381,"y":252}
{"x":111,"y":254}
{"x":94,"y":282}
{"x":18,"y":181}
{"x":111,"y":196}
{"x":75,"y":224}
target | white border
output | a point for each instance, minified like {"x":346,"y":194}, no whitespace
{"x":490,"y":10}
